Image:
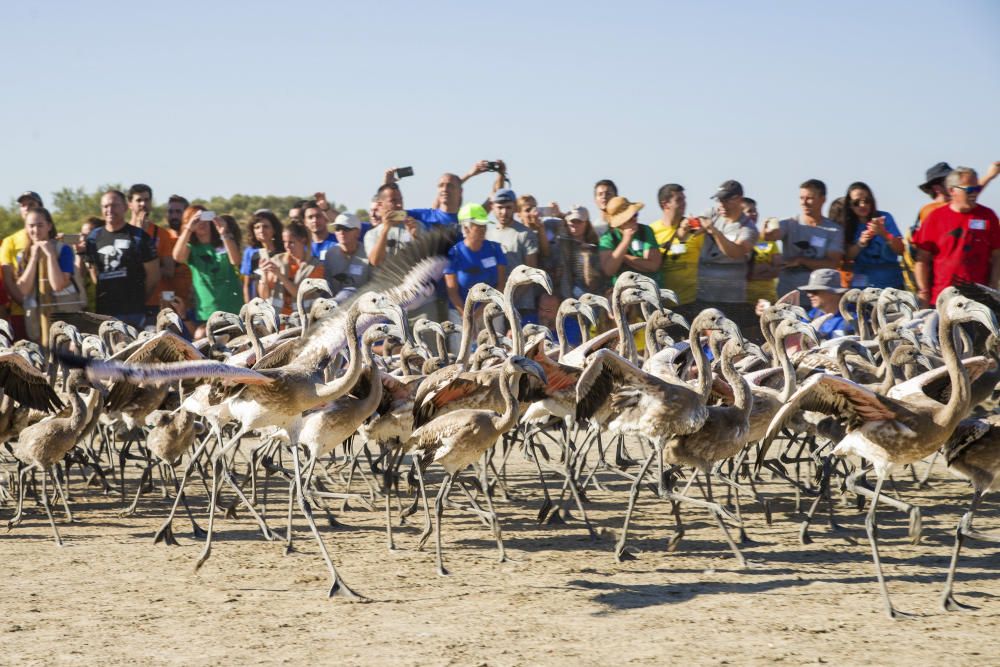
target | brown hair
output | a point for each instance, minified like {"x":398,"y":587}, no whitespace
{"x":44,"y":212}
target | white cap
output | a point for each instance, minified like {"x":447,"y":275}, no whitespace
{"x":348,"y":220}
{"x":578,"y":213}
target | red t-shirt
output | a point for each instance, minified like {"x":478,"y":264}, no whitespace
{"x":960,"y":244}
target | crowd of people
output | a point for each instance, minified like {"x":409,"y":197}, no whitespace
{"x":123,"y":263}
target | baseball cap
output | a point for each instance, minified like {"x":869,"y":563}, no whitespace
{"x":728,"y":189}
{"x":578,"y":213}
{"x":347,"y":220}
{"x":503,"y":195}
{"x":473,"y":213}
{"x":30,"y":195}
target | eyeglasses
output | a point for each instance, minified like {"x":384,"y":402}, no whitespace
{"x":969,"y":189}
{"x":861,"y":202}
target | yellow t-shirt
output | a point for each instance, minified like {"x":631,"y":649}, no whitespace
{"x":680,"y":261}
{"x":10,"y":248}
{"x":766,"y":288}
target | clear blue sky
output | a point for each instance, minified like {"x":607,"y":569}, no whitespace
{"x":204,"y":98}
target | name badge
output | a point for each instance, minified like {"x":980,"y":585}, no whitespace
{"x":977,"y":224}
{"x":322,"y":255}
{"x":817,"y":241}
{"x":636,"y":245}
{"x":489,"y":262}
{"x":678,"y":249}
{"x":123,"y":244}
{"x":356,"y":269}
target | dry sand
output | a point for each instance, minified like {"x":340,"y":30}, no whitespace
{"x":111,"y":597}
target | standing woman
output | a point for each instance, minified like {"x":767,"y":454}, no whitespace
{"x":208,"y":247}
{"x":284,"y":272}
{"x":579,"y":265}
{"x":472,"y":260}
{"x":874,"y":241}
{"x":57,"y":257}
{"x":264,"y":241}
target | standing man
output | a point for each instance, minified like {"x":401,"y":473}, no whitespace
{"x":175,"y":212}
{"x":320,"y":238}
{"x":346,"y":265}
{"x":11,"y":252}
{"x":520,"y":244}
{"x":140,"y":204}
{"x":959,"y":240}
{"x":722,"y":266}
{"x":809,"y":240}
{"x":679,"y":242}
{"x":396,"y":229}
{"x":604,"y":191}
{"x":123,"y":263}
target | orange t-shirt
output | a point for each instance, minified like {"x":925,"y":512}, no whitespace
{"x":164,"y":239}
{"x":293,"y":264}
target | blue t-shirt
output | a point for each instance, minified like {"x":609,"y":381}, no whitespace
{"x":433,"y":216}
{"x":877,"y":265}
{"x":319,"y":247}
{"x":249,"y":260}
{"x":834,"y":327}
{"x":573,"y":337}
{"x":475,"y":267}
{"x":66,"y":259}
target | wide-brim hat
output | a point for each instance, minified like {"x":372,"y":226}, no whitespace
{"x":936,"y":173}
{"x":620,"y":210}
{"x":823,"y":280}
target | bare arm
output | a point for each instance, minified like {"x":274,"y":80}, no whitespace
{"x":922,"y":272}
{"x":831,"y":261}
{"x":181,"y":250}
{"x":648,"y":263}
{"x":377,"y":255}
{"x":728,"y":248}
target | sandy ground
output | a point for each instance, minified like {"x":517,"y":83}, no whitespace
{"x":110,"y":596}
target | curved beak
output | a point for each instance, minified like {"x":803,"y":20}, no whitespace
{"x":587,"y":311}
{"x":598,"y":300}
{"x":984,"y":315}
{"x":542,"y":279}
{"x":679,"y":320}
{"x":923,"y":361}
{"x":667,"y":294}
{"x":729,"y":327}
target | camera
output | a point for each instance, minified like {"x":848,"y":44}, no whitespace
{"x":403,"y":172}
{"x":492,"y":166}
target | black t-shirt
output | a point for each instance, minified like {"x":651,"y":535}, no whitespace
{"x":121,"y":278}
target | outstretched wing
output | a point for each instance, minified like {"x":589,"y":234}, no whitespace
{"x":835,"y":396}
{"x":407,"y":278}
{"x":26,"y":384}
{"x":157,"y":374}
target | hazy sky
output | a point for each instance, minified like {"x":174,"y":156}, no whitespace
{"x":203,"y":98}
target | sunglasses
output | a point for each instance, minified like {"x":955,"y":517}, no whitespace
{"x":969,"y":189}
{"x":339,"y":228}
{"x":861,"y":202}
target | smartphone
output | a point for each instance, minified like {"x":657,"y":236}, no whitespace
{"x":492,"y":166}
{"x":694,"y":223}
{"x":167,"y":296}
{"x":397,"y":216}
{"x":546,"y":211}
{"x":403,"y":172}
{"x":207,"y":216}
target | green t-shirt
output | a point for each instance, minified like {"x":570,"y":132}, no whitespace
{"x":216,"y":285}
{"x":643,"y":240}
